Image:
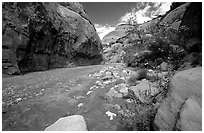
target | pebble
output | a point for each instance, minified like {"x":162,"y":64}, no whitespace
{"x":79,"y":105}
{"x":129,"y":100}
{"x":93,"y":87}
{"x":89,"y":92}
{"x":18,"y":99}
{"x":110,"y":114}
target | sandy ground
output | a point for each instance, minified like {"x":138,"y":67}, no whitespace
{"x":36,"y":100}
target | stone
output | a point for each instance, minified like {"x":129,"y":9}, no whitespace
{"x":184,"y":84}
{"x":79,"y":105}
{"x":110,"y":114}
{"x":117,"y":107}
{"x":112,"y":92}
{"x":144,"y":86}
{"x":122,"y":88}
{"x":69,"y":123}
{"x":89,"y":92}
{"x":79,"y":97}
{"x":96,"y":75}
{"x":93,"y":87}
{"x":190,"y":116}
{"x":129,"y":101}
{"x":162,"y":74}
{"x":99,"y":83}
{"x":13,"y":71}
{"x":164,"y":66}
{"x":118,"y":95}
{"x":151,"y":74}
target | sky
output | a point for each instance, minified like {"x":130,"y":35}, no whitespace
{"x":107,"y":15}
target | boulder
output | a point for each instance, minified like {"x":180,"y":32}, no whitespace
{"x":122,"y":88}
{"x":190,"y":116}
{"x":69,"y":123}
{"x":184,"y":84}
{"x":144,"y":90}
{"x":164,"y":66}
{"x":39,"y":36}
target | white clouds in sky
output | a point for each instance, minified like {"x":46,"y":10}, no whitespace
{"x":102,"y":30}
{"x":146,"y":13}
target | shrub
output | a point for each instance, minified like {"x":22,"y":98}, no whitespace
{"x":138,"y":75}
{"x":160,"y":42}
{"x":143,"y":117}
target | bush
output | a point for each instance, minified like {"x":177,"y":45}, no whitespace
{"x":138,"y":75}
{"x":143,"y":117}
{"x":160,"y":42}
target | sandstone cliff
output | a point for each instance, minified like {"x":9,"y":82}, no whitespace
{"x":39,"y":36}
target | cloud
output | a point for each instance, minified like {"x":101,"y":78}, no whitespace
{"x":102,"y":30}
{"x":145,"y":11}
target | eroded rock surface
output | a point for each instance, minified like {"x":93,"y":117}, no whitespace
{"x":39,"y":36}
{"x":183,"y":85}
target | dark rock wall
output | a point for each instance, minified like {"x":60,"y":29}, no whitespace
{"x":192,"y":19}
{"x":39,"y":36}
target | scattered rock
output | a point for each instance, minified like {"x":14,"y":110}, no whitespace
{"x":18,"y":99}
{"x":79,"y":97}
{"x":162,"y":74}
{"x":99,"y":83}
{"x":89,"y":92}
{"x":69,"y":123}
{"x":117,"y":107}
{"x":122,"y":88}
{"x":79,"y":105}
{"x":110,"y":114}
{"x":126,"y":113}
{"x":129,"y":100}
{"x":151,"y":74}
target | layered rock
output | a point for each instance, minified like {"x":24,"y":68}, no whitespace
{"x":185,"y":94}
{"x":39,"y":36}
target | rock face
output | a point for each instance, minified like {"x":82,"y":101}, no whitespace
{"x":70,"y":123}
{"x":174,"y":17}
{"x":39,"y":36}
{"x":192,"y":19}
{"x":179,"y":104}
{"x":119,"y":32}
